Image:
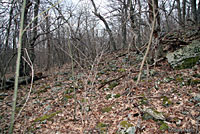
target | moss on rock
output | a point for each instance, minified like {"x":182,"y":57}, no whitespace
{"x":188,"y":63}
{"x":125,"y":124}
{"x":166,"y":102}
{"x":106,"y":109}
{"x":46,"y":117}
{"x":163,"y":126}
{"x":102,"y":126}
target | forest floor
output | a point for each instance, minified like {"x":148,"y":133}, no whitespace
{"x":107,"y":100}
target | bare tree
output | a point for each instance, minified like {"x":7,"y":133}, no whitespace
{"x":136,"y":33}
{"x":157,"y":47}
{"x":112,"y":41}
{"x":184,"y":12}
{"x":124,"y":19}
{"x":35,"y":29}
{"x":194,"y":11}
{"x":17,"y":68}
{"x":198,"y":12}
{"x":178,"y":6}
{"x":46,"y":37}
{"x":48,"y":26}
{"x":9,"y":23}
{"x":23,"y":65}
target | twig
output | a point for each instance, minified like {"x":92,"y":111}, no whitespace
{"x":107,"y":82}
{"x":29,"y":93}
{"x":149,"y":44}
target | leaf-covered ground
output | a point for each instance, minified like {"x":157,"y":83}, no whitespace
{"x":107,"y":100}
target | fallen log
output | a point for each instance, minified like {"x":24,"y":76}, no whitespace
{"x":107,"y":82}
{"x":9,"y":83}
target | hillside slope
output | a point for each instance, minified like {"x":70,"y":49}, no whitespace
{"x":107,"y":100}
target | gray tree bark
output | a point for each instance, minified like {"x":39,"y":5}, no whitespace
{"x":194,"y":11}
{"x":184,"y":12}
{"x":23,"y":65}
{"x":156,"y":50}
{"x":9,"y":23}
{"x":199,"y":12}
{"x":124,"y":17}
{"x":17,"y":68}
{"x":35,"y":29}
{"x":48,"y":41}
{"x":178,"y":6}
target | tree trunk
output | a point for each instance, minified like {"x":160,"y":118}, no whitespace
{"x":5,"y":56}
{"x":140,"y":21}
{"x":9,"y":24}
{"x":156,"y":50}
{"x":23,"y":65}
{"x":15,"y":35}
{"x":199,"y":12}
{"x":184,"y":12}
{"x":35,"y":23}
{"x":178,"y":6}
{"x":48,"y":42}
{"x":112,"y":41}
{"x":188,"y":13}
{"x":133,"y":25}
{"x":124,"y":22}
{"x":194,"y":11}
{"x":17,"y":68}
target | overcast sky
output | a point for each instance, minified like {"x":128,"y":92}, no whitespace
{"x":100,"y":4}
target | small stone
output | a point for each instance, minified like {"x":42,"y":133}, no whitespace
{"x":131,"y":130}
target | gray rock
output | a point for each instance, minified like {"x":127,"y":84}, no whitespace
{"x":152,"y":112}
{"x":198,"y":118}
{"x":185,"y":57}
{"x":3,"y":94}
{"x":131,"y":130}
{"x":197,"y":98}
{"x":56,"y":89}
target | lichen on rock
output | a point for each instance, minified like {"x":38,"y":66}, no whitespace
{"x":185,"y":57}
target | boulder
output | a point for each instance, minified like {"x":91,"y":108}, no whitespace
{"x":185,"y":57}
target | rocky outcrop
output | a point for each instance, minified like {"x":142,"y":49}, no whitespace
{"x":185,"y":57}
